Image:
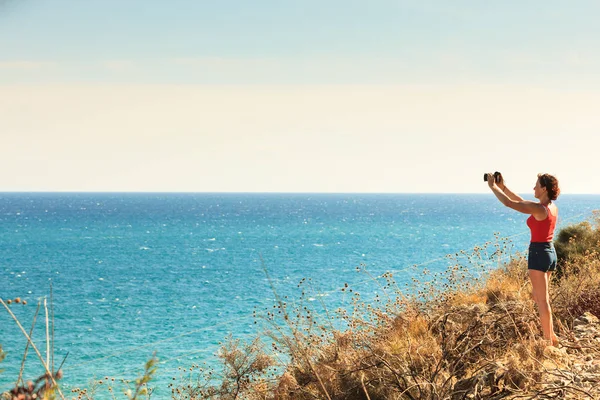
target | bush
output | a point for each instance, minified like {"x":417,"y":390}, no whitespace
{"x":573,"y":241}
{"x":578,"y":289}
{"x":588,"y":301}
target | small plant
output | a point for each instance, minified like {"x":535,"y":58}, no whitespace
{"x":2,"y":356}
{"x":45,"y":386}
{"x":193,"y":383}
{"x":141,"y":389}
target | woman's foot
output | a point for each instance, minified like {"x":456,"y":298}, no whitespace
{"x":548,"y":343}
{"x":552,"y":342}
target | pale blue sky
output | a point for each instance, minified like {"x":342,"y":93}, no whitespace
{"x":371,"y":41}
{"x":433,"y":79}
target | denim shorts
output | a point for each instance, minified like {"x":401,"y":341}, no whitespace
{"x":542,"y":256}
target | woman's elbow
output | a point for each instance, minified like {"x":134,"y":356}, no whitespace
{"x":508,"y":203}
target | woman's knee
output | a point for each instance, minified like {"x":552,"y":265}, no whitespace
{"x":543,"y":304}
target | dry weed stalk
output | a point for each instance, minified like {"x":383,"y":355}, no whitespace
{"x":35,"y":389}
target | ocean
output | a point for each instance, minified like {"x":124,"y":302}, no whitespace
{"x":175,"y":274}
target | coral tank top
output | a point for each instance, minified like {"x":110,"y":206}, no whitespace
{"x":542,"y":231}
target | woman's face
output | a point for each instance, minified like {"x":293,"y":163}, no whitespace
{"x":538,"y":190}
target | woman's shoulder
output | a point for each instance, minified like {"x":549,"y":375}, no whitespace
{"x":542,"y":211}
{"x":550,"y":209}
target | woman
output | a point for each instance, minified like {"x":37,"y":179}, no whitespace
{"x":541,"y":260}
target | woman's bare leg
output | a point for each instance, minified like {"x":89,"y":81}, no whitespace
{"x":554,"y":337}
{"x":539,"y":283}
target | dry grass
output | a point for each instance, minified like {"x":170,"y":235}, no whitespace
{"x":470,"y":332}
{"x":467,"y":333}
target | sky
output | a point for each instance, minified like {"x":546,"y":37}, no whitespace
{"x":379,"y":96}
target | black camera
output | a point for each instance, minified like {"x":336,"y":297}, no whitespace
{"x":496,"y":177}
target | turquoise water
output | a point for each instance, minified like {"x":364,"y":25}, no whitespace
{"x":176,"y":273}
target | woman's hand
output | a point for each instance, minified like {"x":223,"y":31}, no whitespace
{"x":491,"y":180}
{"x":501,"y":183}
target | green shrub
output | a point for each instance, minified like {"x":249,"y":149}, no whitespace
{"x":573,"y":241}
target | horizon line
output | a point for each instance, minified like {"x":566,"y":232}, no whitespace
{"x":246,"y":192}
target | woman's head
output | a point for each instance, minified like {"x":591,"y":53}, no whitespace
{"x":549,"y":183}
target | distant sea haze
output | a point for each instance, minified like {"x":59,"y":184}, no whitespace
{"x":176,"y":273}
